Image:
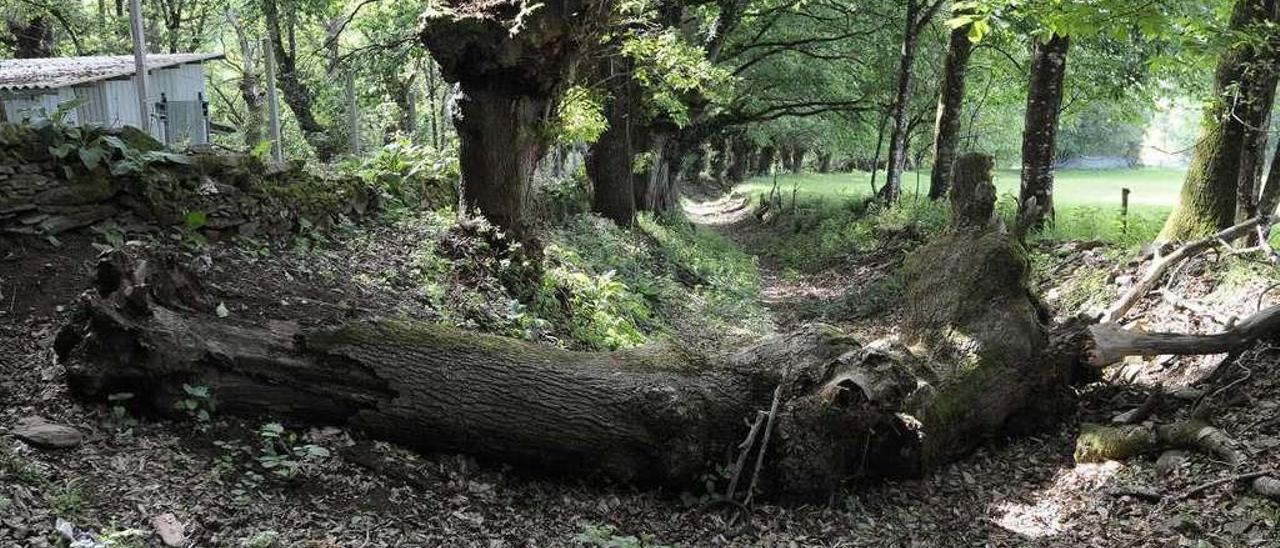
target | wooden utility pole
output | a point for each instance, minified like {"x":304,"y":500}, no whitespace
{"x":140,"y":64}
{"x":273,"y":105}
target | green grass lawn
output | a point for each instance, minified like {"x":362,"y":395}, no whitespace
{"x":1087,"y":201}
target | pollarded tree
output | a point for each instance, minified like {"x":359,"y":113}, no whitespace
{"x":510,"y":63}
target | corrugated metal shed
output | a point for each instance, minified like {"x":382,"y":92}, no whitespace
{"x":58,"y":72}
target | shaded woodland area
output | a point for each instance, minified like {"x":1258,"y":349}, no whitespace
{"x":493,"y":273}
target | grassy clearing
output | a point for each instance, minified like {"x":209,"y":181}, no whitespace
{"x":1087,"y":201}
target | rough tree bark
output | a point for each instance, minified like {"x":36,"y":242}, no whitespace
{"x":973,"y":196}
{"x":797,"y":160}
{"x":1039,"y":136}
{"x":609,"y":160}
{"x":658,"y":414}
{"x":718,"y":164}
{"x":824,"y":162}
{"x":919,"y":13}
{"x":946,"y":137}
{"x":1269,"y":194}
{"x":1262,"y":88}
{"x":507,"y":84}
{"x":1208,"y":200}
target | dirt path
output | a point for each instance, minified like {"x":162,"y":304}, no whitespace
{"x":790,"y":295}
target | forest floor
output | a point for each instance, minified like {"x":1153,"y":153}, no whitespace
{"x":1025,"y":492}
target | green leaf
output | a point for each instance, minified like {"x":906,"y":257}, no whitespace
{"x":91,"y":156}
{"x":62,"y":151}
{"x":195,"y":220}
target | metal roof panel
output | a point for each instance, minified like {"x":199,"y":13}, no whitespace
{"x":60,"y":72}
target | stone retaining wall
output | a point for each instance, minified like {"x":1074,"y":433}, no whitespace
{"x":41,"y":195}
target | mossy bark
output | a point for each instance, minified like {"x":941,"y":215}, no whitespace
{"x":973,"y":198}
{"x":655,"y":415}
{"x":1208,"y":200}
{"x":984,"y":338}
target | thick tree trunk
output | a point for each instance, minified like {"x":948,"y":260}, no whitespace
{"x":656,"y":414}
{"x":500,"y":144}
{"x":1269,"y":195}
{"x":507,"y":85}
{"x":1039,"y":136}
{"x":661,"y":192}
{"x":719,"y":161}
{"x":973,"y":197}
{"x":1261,"y":93}
{"x":824,"y":162}
{"x":740,"y":160}
{"x":946,"y":138}
{"x":797,"y":160}
{"x":1208,"y":200}
{"x":609,"y":160}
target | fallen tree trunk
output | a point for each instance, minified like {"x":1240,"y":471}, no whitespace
{"x":655,"y":415}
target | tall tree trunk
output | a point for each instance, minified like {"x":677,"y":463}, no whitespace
{"x":1208,"y":200}
{"x":433,"y":99}
{"x":875,"y":161}
{"x":919,"y":13}
{"x":661,"y":191}
{"x":507,"y":87}
{"x":609,"y":160}
{"x":950,"y":102}
{"x":250,"y":84}
{"x":719,"y":161}
{"x":1039,"y":136}
{"x":1269,"y":196}
{"x":1261,"y":90}
{"x":296,"y":92}
{"x":500,"y":144}
{"x":824,"y":162}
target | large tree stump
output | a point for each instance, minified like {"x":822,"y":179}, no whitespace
{"x":973,"y":195}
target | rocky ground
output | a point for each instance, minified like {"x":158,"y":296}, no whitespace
{"x":125,"y":481}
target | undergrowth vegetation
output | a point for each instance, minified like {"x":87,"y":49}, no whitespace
{"x":591,"y":286}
